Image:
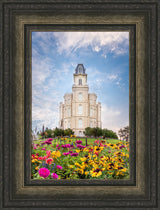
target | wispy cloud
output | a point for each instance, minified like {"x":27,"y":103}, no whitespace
{"x":98,"y":41}
{"x":114,"y":118}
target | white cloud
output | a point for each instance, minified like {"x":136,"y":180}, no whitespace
{"x":113,"y":118}
{"x":112,"y":77}
{"x":116,"y":42}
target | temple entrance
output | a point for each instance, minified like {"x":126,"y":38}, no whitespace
{"x":80,"y":133}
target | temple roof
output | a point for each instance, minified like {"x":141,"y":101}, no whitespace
{"x":80,"y":69}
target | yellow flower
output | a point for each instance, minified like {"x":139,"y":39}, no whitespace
{"x":119,"y":159}
{"x":77,"y":150}
{"x":83,"y":159}
{"x":86,"y":149}
{"x":96,"y":172}
{"x":123,"y":170}
{"x":86,"y":172}
{"x":83,"y":165}
{"x":81,"y":171}
{"x":91,"y":162}
{"x":56,"y":154}
{"x":71,"y":166}
{"x":36,"y":168}
{"x":104,"y":158}
{"x":77,"y":164}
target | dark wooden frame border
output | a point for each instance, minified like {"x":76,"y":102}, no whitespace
{"x":28,"y":102}
{"x":16,"y":192}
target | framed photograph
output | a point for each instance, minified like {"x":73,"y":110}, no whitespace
{"x":77,"y":138}
{"x":102,"y":58}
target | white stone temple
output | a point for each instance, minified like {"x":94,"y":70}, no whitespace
{"x":80,"y":108}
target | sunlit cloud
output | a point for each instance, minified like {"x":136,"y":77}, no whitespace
{"x":55,"y":56}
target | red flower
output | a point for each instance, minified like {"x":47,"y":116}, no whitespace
{"x":96,"y":153}
{"x":49,"y":161}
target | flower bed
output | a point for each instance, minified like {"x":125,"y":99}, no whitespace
{"x":72,"y":159}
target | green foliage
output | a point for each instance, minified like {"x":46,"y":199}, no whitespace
{"x":109,"y":134}
{"x":96,"y":132}
{"x":88,"y":131}
{"x":68,"y":132}
{"x":58,"y":132}
{"x":49,"y":133}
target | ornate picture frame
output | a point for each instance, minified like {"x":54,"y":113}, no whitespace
{"x":18,"y":19}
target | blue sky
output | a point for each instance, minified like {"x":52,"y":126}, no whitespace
{"x":105,"y":55}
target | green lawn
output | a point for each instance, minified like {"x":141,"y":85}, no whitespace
{"x":89,"y":140}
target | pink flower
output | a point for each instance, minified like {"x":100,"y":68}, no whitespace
{"x":44,"y":172}
{"x":48,"y":142}
{"x":34,"y":147}
{"x":59,"y":167}
{"x":80,"y":146}
{"x":57,"y":145}
{"x":74,"y":154}
{"x":66,"y":153}
{"x":50,"y":139}
{"x":66,"y":146}
{"x":79,"y":142}
{"x":40,"y":158}
{"x":43,"y":149}
{"x":122,"y":147}
{"x":54,"y":176}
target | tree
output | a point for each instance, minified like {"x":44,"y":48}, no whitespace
{"x":88,"y":131}
{"x":49,"y":132}
{"x":58,"y":132}
{"x":124,"y":133}
{"x":96,"y":132}
{"x":68,"y":132}
{"x":109,"y":134}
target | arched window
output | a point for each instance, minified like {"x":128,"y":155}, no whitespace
{"x":80,"y":109}
{"x":80,"y":123}
{"x":80,"y":96}
{"x":80,"y":81}
{"x":91,"y":124}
